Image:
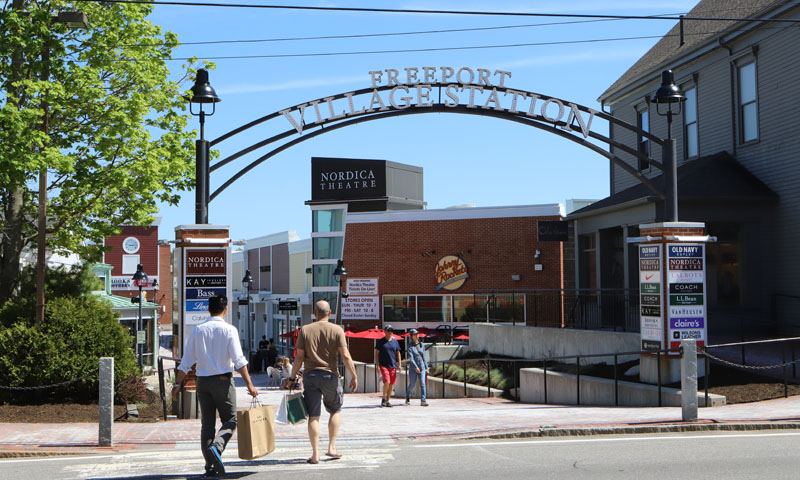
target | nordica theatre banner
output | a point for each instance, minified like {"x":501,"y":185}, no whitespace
{"x":686,"y":281}
{"x":650,"y":299}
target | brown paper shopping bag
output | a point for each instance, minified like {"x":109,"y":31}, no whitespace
{"x":256,"y":430}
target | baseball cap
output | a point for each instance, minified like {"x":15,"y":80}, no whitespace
{"x":388,"y":327}
{"x":413,"y":331}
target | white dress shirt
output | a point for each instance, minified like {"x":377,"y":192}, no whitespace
{"x":214,"y":347}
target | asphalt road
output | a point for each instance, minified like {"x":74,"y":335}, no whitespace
{"x":736,"y":455}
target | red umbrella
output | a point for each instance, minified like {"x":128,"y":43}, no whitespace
{"x":463,"y":336}
{"x":293,"y":334}
{"x":421,"y":335}
{"x":372,"y":334}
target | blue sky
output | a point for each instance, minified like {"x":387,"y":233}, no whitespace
{"x":466,"y":159}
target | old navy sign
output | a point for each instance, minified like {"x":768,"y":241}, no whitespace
{"x":478,"y":88}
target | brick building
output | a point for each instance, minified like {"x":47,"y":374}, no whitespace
{"x":140,"y":245}
{"x":447,"y":268}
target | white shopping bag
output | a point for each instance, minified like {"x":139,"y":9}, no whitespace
{"x":280,"y":416}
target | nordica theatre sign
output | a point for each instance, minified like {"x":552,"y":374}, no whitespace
{"x":414,"y":88}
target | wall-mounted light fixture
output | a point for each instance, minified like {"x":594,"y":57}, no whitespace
{"x":537,"y":254}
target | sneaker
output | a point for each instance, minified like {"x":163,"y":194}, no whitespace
{"x":388,"y":404}
{"x":408,"y":402}
{"x":383,"y":403}
{"x":216,"y":460}
{"x":423,"y":403}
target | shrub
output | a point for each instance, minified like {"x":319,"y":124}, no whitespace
{"x":132,"y":390}
{"x":476,"y":376}
{"x":455,"y":372}
{"x":76,"y":332}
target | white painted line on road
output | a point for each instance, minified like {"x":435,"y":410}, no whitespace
{"x":57,"y":458}
{"x":594,"y":440}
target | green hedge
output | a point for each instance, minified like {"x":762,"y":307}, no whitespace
{"x":76,"y":332}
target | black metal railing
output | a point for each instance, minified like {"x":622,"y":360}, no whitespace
{"x":584,"y":309}
{"x":162,"y":382}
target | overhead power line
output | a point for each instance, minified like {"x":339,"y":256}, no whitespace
{"x":437,"y":12}
{"x":417,"y":50}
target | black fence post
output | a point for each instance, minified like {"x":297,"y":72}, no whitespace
{"x":616,"y":384}
{"x":659,"y":377}
{"x":578,"y":377}
{"x":707,"y":374}
{"x":444,"y":365}
{"x":465,"y":378}
{"x":544,"y":377}
{"x":488,"y":378}
{"x":785,"y":374}
{"x":162,"y":386}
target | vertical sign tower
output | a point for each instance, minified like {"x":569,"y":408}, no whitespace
{"x":201,"y":269}
{"x":672,"y":294}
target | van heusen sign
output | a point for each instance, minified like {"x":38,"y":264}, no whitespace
{"x":478,"y":88}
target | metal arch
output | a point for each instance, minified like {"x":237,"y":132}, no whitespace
{"x":439,"y":85}
{"x":438,"y":108}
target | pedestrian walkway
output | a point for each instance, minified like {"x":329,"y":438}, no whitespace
{"x":364,"y":419}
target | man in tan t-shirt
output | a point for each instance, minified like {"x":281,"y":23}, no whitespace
{"x":318,"y":346}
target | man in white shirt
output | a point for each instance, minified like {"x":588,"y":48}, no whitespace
{"x":214,"y":347}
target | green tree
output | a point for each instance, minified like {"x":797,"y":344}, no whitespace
{"x":96,"y":107}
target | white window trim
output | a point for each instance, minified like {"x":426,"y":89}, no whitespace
{"x":740,"y":63}
{"x":691,"y":86}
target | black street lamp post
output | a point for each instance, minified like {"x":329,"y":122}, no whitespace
{"x":202,"y":93}
{"x":339,"y":275}
{"x":247,"y":281}
{"x":139,"y":279}
{"x":669,"y":94}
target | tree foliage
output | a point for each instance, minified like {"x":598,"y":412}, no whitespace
{"x":77,"y":332}
{"x":116,"y":141}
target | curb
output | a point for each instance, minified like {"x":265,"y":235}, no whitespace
{"x":641,"y":429}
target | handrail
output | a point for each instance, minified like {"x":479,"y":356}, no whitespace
{"x":161,"y":384}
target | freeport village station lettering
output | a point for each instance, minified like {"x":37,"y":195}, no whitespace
{"x":480,"y":88}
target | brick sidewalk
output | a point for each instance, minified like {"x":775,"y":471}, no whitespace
{"x":362,"y":418}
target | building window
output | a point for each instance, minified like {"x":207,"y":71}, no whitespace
{"x":690,"y":121}
{"x":327,"y":220}
{"x":642,"y":142}
{"x":748,"y":102}
{"x":399,"y":308}
{"x":323,"y":275}
{"x":588,"y":256}
{"x":329,"y":297}
{"x":327,"y":247}
{"x":435,"y":309}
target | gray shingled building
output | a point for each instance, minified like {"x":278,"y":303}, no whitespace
{"x":738,"y":168}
